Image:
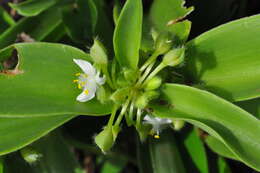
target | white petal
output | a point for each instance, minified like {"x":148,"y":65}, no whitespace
{"x":85,"y":66}
{"x":85,"y":97}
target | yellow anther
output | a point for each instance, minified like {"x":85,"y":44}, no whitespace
{"x":83,"y":83}
{"x":79,"y":86}
{"x":77,"y":74}
{"x":85,"y":75}
{"x":86,"y":92}
{"x":75,"y":81}
{"x":156,"y":136}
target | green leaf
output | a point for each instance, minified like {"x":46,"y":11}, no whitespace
{"x":16,"y":133}
{"x":165,"y":16}
{"x":6,"y":20}
{"x":251,"y":106}
{"x":1,"y":165}
{"x":238,"y":130}
{"x":113,"y":166}
{"x":196,"y":151}
{"x":80,"y":20}
{"x":128,"y":33}
{"x":226,"y":60}
{"x":55,"y":157}
{"x":32,"y":7}
{"x":38,"y":27}
{"x":42,"y":83}
{"x":219,"y":148}
{"x":165,"y":157}
{"x":223,"y":166}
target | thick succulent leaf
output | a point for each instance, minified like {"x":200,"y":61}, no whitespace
{"x":196,"y":151}
{"x":32,"y":7}
{"x":219,"y":148}
{"x":38,"y":27}
{"x":252,"y":106}
{"x":56,"y":157}
{"x":127,"y":35}
{"x":16,"y":133}
{"x":165,"y":16}
{"x":226,"y":60}
{"x":41,"y":84}
{"x":238,"y":130}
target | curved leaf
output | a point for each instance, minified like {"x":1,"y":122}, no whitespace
{"x":32,"y":7}
{"x":38,"y":27}
{"x":165,"y":16}
{"x":16,"y":133}
{"x":251,"y":106}
{"x":127,"y":35}
{"x":42,"y":83}
{"x":233,"y":126}
{"x":219,"y":148}
{"x":226,"y":59}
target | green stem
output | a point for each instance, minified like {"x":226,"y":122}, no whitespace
{"x":138,"y":119}
{"x":147,"y":71}
{"x":109,"y":81}
{"x":123,"y":110}
{"x":149,"y":61}
{"x":157,"y":70}
{"x":113,"y":114}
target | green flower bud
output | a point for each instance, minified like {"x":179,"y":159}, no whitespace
{"x":153,"y":83}
{"x":150,"y":95}
{"x":142,"y":101}
{"x":130,"y":75}
{"x":103,"y":94}
{"x":178,"y":124}
{"x":174,"y":57}
{"x":163,"y":43}
{"x":30,"y":155}
{"x":105,"y":139}
{"x":98,"y":53}
{"x":120,"y":95}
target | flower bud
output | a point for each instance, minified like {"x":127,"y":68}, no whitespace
{"x":163,"y":43}
{"x":178,"y":124}
{"x":103,"y":94}
{"x":98,"y":52}
{"x":105,"y":139}
{"x":174,"y":57}
{"x":120,"y":95}
{"x":30,"y":155}
{"x":130,"y":75}
{"x":153,"y":83}
{"x":142,"y":101}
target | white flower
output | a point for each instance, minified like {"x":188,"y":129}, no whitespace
{"x":88,"y":81}
{"x":158,"y":123}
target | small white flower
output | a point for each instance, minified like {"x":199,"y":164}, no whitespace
{"x":88,"y":81}
{"x":158,"y":123}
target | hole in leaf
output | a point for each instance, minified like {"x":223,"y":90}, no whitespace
{"x":9,"y":65}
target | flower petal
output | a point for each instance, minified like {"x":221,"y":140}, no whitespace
{"x":85,"y":66}
{"x":83,"y":97}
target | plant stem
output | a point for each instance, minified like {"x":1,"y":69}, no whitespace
{"x":157,"y":70}
{"x":123,"y":110}
{"x":149,"y":61}
{"x":113,"y":114}
{"x":109,"y":81}
{"x":147,"y":71}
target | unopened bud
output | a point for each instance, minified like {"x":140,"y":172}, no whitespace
{"x":30,"y":155}
{"x":153,"y":83}
{"x":174,"y":57}
{"x":98,"y":52}
{"x":178,"y":124}
{"x":120,"y":95}
{"x":141,"y":101}
{"x":163,"y":43}
{"x":105,"y":139}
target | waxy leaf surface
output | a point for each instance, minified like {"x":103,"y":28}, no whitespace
{"x":42,"y":83}
{"x":226,"y":59}
{"x":238,"y":130}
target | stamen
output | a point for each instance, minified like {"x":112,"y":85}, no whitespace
{"x":85,"y":75}
{"x":156,"y":136}
{"x":77,"y":74}
{"x":75,"y":81}
{"x":79,"y":86}
{"x":86,"y":92}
